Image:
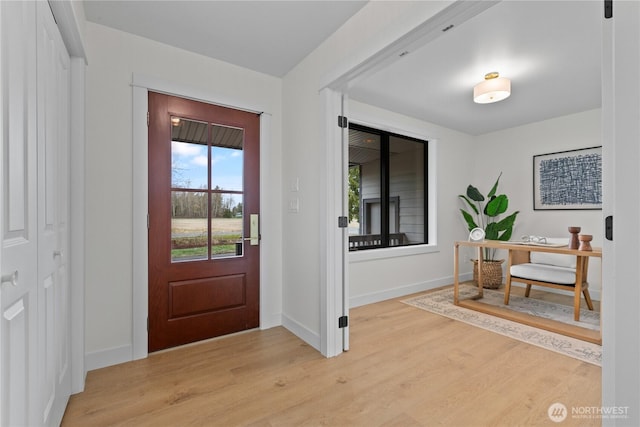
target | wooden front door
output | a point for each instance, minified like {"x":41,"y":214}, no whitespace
{"x":203,"y":210}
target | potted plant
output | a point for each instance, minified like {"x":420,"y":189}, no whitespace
{"x":486,"y":213}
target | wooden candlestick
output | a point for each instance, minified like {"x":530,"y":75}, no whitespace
{"x":584,"y":242}
{"x":573,"y":241}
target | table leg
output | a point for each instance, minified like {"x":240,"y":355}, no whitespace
{"x":578,"y":291}
{"x":455,"y":273}
{"x":480,"y":262}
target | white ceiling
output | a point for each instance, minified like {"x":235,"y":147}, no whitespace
{"x":266,"y":36}
{"x":549,"y":49}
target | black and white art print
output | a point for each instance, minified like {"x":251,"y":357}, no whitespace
{"x":568,"y":180}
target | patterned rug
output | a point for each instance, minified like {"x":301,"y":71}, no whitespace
{"x":441,"y":302}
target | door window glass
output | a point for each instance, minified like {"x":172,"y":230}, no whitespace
{"x":206,"y":190}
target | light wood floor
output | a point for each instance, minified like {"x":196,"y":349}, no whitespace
{"x":407,"y":367}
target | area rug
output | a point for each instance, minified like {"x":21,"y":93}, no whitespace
{"x":441,"y":302}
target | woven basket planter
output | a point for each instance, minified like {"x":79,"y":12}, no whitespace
{"x":491,"y":273}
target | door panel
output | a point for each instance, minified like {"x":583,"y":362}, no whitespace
{"x":203,"y":188}
{"x":16,"y":336}
{"x":189,"y":297}
{"x":53,"y":235}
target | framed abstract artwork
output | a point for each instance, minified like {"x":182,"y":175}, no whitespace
{"x":568,"y":180}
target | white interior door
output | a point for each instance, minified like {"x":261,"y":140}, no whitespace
{"x":344,"y":138}
{"x":53,"y":211}
{"x":18,"y":295}
{"x":620,"y":266}
{"x":34,"y":297}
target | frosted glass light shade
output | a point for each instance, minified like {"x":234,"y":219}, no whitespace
{"x":492,"y":90}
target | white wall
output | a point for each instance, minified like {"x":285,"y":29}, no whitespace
{"x":464,"y":159}
{"x":400,"y":271}
{"x":375,"y":26}
{"x":511,"y":151}
{"x":114,"y":57}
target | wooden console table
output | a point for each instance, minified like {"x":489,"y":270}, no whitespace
{"x":474,"y":303}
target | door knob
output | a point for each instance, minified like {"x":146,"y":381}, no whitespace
{"x":12,"y":279}
{"x":57,"y":254}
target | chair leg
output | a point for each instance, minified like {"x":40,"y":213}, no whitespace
{"x":587,"y":298}
{"x":526,"y":293}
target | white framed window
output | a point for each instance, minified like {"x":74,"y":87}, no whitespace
{"x":387,"y":189}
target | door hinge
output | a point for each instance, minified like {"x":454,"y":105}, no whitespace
{"x":608,"y":9}
{"x":343,"y":222}
{"x":343,"y":122}
{"x":148,"y":118}
{"x":343,"y":322}
{"x":147,"y":324}
{"x":148,"y":222}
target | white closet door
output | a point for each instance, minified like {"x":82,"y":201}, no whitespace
{"x":53,"y":211}
{"x":19,"y":380}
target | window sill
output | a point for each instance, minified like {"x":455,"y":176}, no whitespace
{"x":385,"y":253}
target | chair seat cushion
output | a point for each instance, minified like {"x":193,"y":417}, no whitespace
{"x":545,"y":273}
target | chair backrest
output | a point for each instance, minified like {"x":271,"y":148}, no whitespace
{"x":568,"y":261}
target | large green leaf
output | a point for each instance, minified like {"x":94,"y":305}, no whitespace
{"x":469,"y":219}
{"x":470,"y":203}
{"x":505,"y":225}
{"x":491,"y":231}
{"x":474,"y":194}
{"x":497,"y":205}
{"x":495,"y":186}
{"x":506,"y":235}
{"x":507,"y":222}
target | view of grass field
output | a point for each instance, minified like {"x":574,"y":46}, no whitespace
{"x":191,"y":225}
{"x":189,"y":237}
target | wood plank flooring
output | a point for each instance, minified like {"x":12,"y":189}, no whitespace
{"x":406,"y":367}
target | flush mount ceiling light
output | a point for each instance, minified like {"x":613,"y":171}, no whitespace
{"x":493,"y":89}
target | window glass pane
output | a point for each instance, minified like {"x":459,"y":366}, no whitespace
{"x":406,"y":192}
{"x":386,"y":189}
{"x":354,"y":200}
{"x":189,"y":231}
{"x":364,"y":189}
{"x":226,"y":158}
{"x":226,"y":224}
{"x":189,"y":155}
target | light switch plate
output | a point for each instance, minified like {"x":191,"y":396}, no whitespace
{"x":294,"y":205}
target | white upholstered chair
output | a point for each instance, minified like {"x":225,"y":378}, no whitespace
{"x":549,"y":270}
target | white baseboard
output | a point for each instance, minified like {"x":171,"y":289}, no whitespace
{"x":270,"y":321}
{"x":108,"y":357}
{"x":400,"y":291}
{"x":116,"y":355}
{"x":302,"y":332}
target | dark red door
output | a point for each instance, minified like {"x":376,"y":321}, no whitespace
{"x":203,"y":205}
